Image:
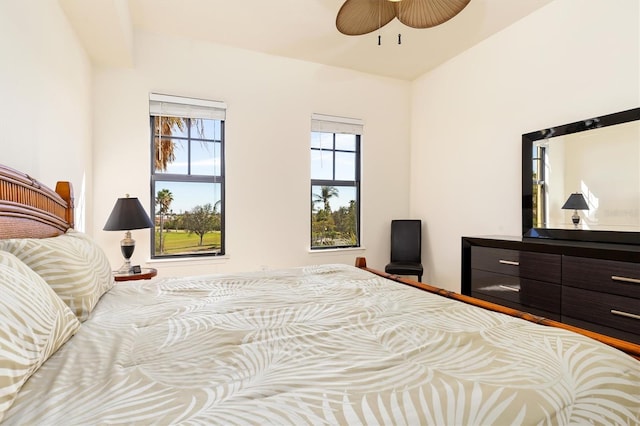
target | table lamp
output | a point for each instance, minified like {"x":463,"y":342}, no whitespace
{"x":127,"y":214}
{"x":575,"y":202}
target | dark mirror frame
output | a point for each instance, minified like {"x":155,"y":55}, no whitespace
{"x":528,"y":231}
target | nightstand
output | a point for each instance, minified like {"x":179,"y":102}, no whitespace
{"x":145,"y":274}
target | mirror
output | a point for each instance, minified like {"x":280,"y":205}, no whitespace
{"x":598,"y":158}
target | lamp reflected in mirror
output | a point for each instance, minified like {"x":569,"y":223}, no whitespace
{"x":575,"y":202}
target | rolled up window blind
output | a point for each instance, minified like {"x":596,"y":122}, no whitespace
{"x":333,"y":124}
{"x":176,"y":106}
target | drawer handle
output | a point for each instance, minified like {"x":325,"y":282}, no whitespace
{"x":625,"y":314}
{"x":509,"y":262}
{"x":506,"y":287}
{"x":625,"y":279}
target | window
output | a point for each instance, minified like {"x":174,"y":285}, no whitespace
{"x":335,"y":182}
{"x":187,"y":176}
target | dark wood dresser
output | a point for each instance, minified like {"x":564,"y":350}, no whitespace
{"x":595,"y":286}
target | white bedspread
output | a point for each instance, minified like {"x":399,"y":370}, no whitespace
{"x":326,"y":344}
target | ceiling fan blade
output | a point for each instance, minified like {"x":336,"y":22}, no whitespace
{"x":357,"y":17}
{"x":428,"y":13}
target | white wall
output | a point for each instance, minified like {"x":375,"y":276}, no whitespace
{"x":270,"y":101}
{"x":570,"y":60}
{"x":45,"y":97}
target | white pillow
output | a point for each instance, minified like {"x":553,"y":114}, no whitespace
{"x":73,"y":265}
{"x":35,"y":323}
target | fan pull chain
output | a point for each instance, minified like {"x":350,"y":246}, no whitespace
{"x":399,"y":11}
{"x":380,"y":39}
{"x":379,"y":21}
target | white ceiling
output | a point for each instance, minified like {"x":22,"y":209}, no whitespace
{"x":300,"y":29}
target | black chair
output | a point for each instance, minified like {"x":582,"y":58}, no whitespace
{"x":406,"y":248}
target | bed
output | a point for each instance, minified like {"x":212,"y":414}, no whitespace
{"x":322,"y":344}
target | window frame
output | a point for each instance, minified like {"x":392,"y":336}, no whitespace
{"x":187,"y":178}
{"x":356,"y":183}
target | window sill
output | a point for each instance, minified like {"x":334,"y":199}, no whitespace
{"x":335,"y":250}
{"x":188,"y":260}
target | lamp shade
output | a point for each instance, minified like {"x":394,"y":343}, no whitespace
{"x":576,"y":201}
{"x":127,"y":214}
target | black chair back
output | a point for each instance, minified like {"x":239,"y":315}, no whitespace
{"x":406,"y":240}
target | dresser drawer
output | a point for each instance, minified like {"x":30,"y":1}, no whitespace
{"x":604,"y":276}
{"x":513,"y":305}
{"x":608,"y":310}
{"x":527,"y":264}
{"x":524,"y":292}
{"x":541,"y":266}
{"x":496,"y":260}
{"x":599,"y":328}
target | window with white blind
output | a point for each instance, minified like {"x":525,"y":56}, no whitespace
{"x":187,"y":176}
{"x":335,"y":181}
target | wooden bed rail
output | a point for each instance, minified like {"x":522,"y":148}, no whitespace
{"x":627,"y":347}
{"x":31,"y":209}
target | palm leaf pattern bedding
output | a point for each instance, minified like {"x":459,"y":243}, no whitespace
{"x":329,"y":344}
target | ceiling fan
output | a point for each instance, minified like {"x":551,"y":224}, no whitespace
{"x":357,"y":17}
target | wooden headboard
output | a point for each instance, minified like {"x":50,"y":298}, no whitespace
{"x":29,"y":209}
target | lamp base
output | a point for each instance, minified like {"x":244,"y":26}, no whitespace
{"x":575,"y":218}
{"x":125,"y":268}
{"x":127,"y":246}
